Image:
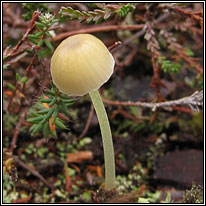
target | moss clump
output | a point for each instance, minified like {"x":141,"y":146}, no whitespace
{"x":194,"y":195}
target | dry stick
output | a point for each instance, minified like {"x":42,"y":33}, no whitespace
{"x":13,"y":61}
{"x":28,"y":69}
{"x":34,"y":172}
{"x":196,"y":16}
{"x":193,"y":101}
{"x":24,"y":85}
{"x":31,"y":27}
{"x":18,"y":125}
{"x":88,"y":122}
{"x":190,"y":60}
{"x":98,"y":29}
{"x":140,"y":33}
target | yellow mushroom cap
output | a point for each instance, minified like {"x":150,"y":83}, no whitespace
{"x":81,"y":64}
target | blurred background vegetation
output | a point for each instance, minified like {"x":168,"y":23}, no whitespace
{"x":52,"y":150}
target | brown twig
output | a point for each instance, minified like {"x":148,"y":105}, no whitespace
{"x":28,"y":69}
{"x":153,"y":46}
{"x":88,"y":122}
{"x":195,"y":16}
{"x":13,"y":17}
{"x":16,"y":59}
{"x":140,"y":33}
{"x":182,"y":109}
{"x":33,"y":172}
{"x":190,"y":60}
{"x":156,"y":81}
{"x":126,"y":115}
{"x":30,"y":28}
{"x":114,"y":45}
{"x":18,"y":125}
{"x":98,"y":29}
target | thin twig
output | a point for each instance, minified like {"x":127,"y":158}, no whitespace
{"x":194,"y":102}
{"x":18,"y":125}
{"x":140,"y":33}
{"x":114,"y":45}
{"x":98,"y":29}
{"x":33,"y":171}
{"x":13,"y":61}
{"x":30,"y":28}
{"x":88,"y":122}
{"x":133,"y":37}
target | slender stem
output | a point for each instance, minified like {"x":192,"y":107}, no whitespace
{"x":106,"y":139}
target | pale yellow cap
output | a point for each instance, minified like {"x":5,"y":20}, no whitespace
{"x":80,"y":64}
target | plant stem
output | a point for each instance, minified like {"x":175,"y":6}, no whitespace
{"x":106,"y":139}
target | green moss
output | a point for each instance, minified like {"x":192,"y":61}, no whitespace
{"x":194,"y":195}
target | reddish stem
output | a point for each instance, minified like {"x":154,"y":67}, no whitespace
{"x":98,"y":29}
{"x":18,"y":126}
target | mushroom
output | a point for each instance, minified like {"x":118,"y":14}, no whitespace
{"x":81,"y":64}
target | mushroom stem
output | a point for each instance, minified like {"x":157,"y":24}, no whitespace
{"x":106,"y":139}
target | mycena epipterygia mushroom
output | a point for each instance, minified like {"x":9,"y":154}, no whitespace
{"x":81,"y":64}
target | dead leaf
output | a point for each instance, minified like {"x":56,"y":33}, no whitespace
{"x":97,"y":169}
{"x":79,"y":156}
{"x":68,"y":179}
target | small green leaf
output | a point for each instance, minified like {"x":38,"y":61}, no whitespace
{"x":63,"y":109}
{"x":90,"y":19}
{"x":54,"y":134}
{"x":39,"y":25}
{"x":11,"y":86}
{"x":69,"y":104}
{"x":60,"y":124}
{"x":40,"y":43}
{"x":47,"y":33}
{"x":124,"y":10}
{"x":32,"y":40}
{"x":98,"y":19}
{"x":33,"y":36}
{"x":32,"y":128}
{"x":46,"y":130}
{"x":45,"y":100}
{"x":37,"y":128}
{"x":85,"y":14}
{"x":44,"y":53}
{"x":4,"y":58}
{"x":47,"y":116}
{"x":55,"y":114}
{"x":53,"y":101}
{"x":35,"y":119}
{"x":48,"y":44}
{"x":39,"y":34}
{"x":23,"y":80}
{"x":51,"y":92}
{"x":70,"y":101}
{"x":189,"y":52}
{"x":64,"y":96}
{"x":54,"y":21}
{"x":17,"y":76}
{"x":44,"y":111}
